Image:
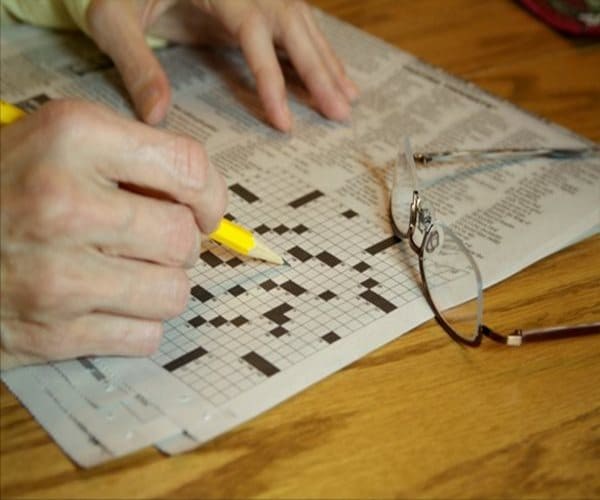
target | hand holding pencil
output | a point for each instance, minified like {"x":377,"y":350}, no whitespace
{"x":89,"y":266}
{"x":229,"y":234}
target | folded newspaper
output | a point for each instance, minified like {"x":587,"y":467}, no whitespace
{"x":254,"y":334}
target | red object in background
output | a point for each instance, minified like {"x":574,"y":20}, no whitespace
{"x":573,"y":17}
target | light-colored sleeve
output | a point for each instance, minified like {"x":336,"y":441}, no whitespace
{"x":58,"y":14}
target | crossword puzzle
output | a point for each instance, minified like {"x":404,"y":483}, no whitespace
{"x":248,"y":320}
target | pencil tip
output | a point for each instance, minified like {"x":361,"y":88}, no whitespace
{"x":262,"y":251}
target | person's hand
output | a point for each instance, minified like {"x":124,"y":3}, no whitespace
{"x":100,"y":215}
{"x":258,"y":27}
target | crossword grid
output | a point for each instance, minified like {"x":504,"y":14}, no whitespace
{"x":248,"y":320}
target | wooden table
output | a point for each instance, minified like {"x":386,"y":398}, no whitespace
{"x":421,"y":417}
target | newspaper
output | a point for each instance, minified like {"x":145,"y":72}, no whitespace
{"x":254,"y":334}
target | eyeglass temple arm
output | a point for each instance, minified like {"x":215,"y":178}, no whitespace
{"x":507,"y":154}
{"x":518,"y":337}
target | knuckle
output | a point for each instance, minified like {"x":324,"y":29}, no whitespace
{"x":33,"y":342}
{"x":99,"y":13}
{"x":179,"y":293}
{"x":253,"y":20}
{"x":292,"y":14}
{"x":39,"y":343}
{"x":253,"y":16}
{"x":297,"y":8}
{"x":55,"y":344}
{"x":149,"y":341}
{"x":52,"y":202}
{"x":182,"y":236}
{"x":65,"y":120}
{"x":189,"y":161}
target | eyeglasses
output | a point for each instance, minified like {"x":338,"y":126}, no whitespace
{"x":450,"y":278}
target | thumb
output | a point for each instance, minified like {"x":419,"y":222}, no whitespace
{"x":115,"y":26}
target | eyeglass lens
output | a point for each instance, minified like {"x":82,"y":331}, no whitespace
{"x":452,"y":277}
{"x":404,"y":185}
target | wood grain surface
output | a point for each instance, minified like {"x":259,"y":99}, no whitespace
{"x":421,"y":417}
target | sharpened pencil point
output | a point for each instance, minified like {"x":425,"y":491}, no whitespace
{"x":262,"y":251}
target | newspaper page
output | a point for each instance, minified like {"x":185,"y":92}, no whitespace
{"x":255,"y":334}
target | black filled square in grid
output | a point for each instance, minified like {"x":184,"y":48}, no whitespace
{"x":278,"y":331}
{"x":369,"y":283}
{"x":210,"y":258}
{"x":327,"y":295}
{"x":197,"y":321}
{"x":218,"y":321}
{"x":239,"y":321}
{"x":268,"y":285}
{"x":361,"y":266}
{"x":201,"y":294}
{"x":237,"y":290}
{"x":234,"y":262}
{"x":299,"y":253}
{"x":328,"y":259}
{"x":293,"y":288}
{"x":262,"y":229}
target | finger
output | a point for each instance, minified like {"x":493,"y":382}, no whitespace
{"x":118,"y":150}
{"x":144,"y":228}
{"x":26,"y":342}
{"x":58,"y":283}
{"x":141,"y":289}
{"x":307,"y":61}
{"x":184,"y":23}
{"x":332,"y":61}
{"x":119,"y":221}
{"x":116,"y":27}
{"x":256,"y":41}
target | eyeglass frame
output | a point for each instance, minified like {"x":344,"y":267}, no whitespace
{"x":421,"y":216}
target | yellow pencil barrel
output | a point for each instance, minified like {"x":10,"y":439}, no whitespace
{"x":233,"y":236}
{"x":9,"y":113}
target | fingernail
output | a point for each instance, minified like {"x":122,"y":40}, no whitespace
{"x":341,"y":109}
{"x":284,"y":118}
{"x":149,"y":99}
{"x":350,"y":89}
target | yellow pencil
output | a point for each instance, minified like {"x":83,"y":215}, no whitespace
{"x":241,"y":240}
{"x":9,"y":113}
{"x":228,"y":234}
